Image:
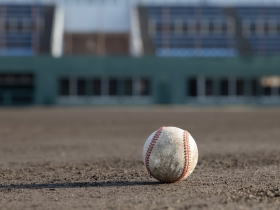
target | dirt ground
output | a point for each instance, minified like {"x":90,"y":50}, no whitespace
{"x":90,"y":158}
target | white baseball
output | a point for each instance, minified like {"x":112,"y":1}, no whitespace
{"x":170,"y":154}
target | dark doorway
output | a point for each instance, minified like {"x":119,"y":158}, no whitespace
{"x":16,"y":89}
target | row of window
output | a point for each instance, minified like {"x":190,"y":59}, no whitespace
{"x":260,"y":27}
{"x":192,"y":26}
{"x":16,"y":89}
{"x":7,"y":80}
{"x":216,"y":26}
{"x":21,"y":25}
{"x":206,"y":86}
{"x":74,"y":86}
{"x":195,"y":86}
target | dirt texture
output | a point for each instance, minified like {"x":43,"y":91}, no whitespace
{"x":90,"y":158}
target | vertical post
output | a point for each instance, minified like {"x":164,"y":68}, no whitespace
{"x":71,"y":43}
{"x":179,"y":28}
{"x":247,"y":88}
{"x":246,"y":28}
{"x":260,"y":33}
{"x":120,"y":87}
{"x":232,"y":87}
{"x":201,"y":87}
{"x":152,"y":27}
{"x":197,"y":33}
{"x":231,"y":26}
{"x":136,"y":86}
{"x":3,"y":33}
{"x":73,"y":86}
{"x":274,"y":92}
{"x":216,"y":87}
{"x":260,"y":90}
{"x":101,"y":41}
{"x":88,"y":87}
{"x":35,"y":16}
{"x":104,"y":86}
{"x":166,"y":28}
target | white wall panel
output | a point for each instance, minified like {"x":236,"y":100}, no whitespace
{"x":96,"y":18}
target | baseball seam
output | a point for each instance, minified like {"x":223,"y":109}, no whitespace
{"x":186,"y":156}
{"x":150,"y":148}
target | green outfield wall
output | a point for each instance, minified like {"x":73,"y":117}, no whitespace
{"x":87,"y":80}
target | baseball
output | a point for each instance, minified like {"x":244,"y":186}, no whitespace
{"x":170,"y":154}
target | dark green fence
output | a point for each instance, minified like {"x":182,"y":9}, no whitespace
{"x":80,"y":80}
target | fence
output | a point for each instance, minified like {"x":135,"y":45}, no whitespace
{"x":146,"y":80}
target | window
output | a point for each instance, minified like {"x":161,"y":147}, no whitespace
{"x":64,"y":89}
{"x":205,"y":27}
{"x":246,"y":28}
{"x":18,"y":91}
{"x":2,"y":79}
{"x":240,"y":87}
{"x":192,"y":87}
{"x":224,"y":90}
{"x":260,"y":27}
{"x":40,"y":24}
{"x":96,"y":85}
{"x":272,"y":27}
{"x":218,"y":26}
{"x":253,"y":28}
{"x":191,"y":26}
{"x":10,"y":80}
{"x":128,"y":87}
{"x":16,"y":80}
{"x":152,"y":25}
{"x":2,"y":24}
{"x":211,"y":27}
{"x":270,"y":85}
{"x":26,"y":25}
{"x":113,"y":87}
{"x":26,"y":80}
{"x":13,"y":25}
{"x":254,"y":87}
{"x":231,"y":26}
{"x":267,"y":91}
{"x":178,"y":27}
{"x":144,"y":87}
{"x":81,"y":87}
{"x":74,"y":86}
{"x":266,"y":29}
{"x":209,"y":87}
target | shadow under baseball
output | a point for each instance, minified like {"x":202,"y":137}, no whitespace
{"x":78,"y":185}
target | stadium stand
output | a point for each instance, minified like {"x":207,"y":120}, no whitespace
{"x":261,"y":27}
{"x":25,"y":29}
{"x":210,"y":31}
{"x":190,"y":31}
{"x":225,"y":30}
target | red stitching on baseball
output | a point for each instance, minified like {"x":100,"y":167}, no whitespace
{"x":150,"y":148}
{"x":186,"y":155}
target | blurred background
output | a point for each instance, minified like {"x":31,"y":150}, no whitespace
{"x":139,"y":52}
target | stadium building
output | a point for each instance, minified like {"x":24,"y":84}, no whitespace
{"x":114,"y":52}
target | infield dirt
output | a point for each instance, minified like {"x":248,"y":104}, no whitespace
{"x":90,"y":158}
